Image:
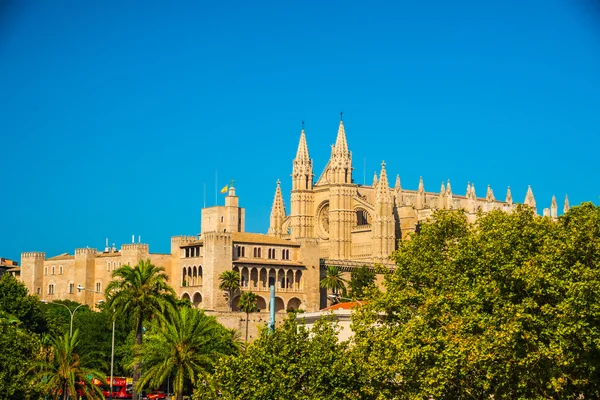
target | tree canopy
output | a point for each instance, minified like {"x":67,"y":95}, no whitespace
{"x":361,"y":280}
{"x":508,"y":307}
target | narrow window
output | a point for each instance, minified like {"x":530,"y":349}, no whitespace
{"x":53,"y":270}
{"x":71,"y":287}
{"x":107,"y":266}
{"x":98,"y":287}
{"x":60,"y":270}
{"x":243,"y":251}
{"x":51,"y":288}
{"x":38,"y":291}
{"x":45,"y":271}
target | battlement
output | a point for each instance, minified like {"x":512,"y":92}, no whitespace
{"x":33,"y":254}
{"x":85,"y":250}
{"x":135,"y":247}
{"x":182,"y":239}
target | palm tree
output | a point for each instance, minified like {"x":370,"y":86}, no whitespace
{"x":248,"y":304}
{"x":184,"y":346}
{"x":141,"y":293}
{"x":230,"y":281}
{"x":64,"y":371}
{"x":333,"y":280}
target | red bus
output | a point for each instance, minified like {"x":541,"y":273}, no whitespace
{"x":121,"y":388}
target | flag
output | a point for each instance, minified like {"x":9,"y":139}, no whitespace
{"x":225,"y":188}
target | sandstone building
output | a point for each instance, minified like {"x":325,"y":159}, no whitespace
{"x":332,"y":221}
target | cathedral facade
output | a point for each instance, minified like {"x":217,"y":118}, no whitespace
{"x":332,"y":221}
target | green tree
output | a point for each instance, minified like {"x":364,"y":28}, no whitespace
{"x":185,"y":345}
{"x":334,"y":281}
{"x":248,"y":305}
{"x":20,"y":350}
{"x":140,"y":293}
{"x":290,"y":363}
{"x":15,"y":301}
{"x":65,"y":370}
{"x":506,"y":307}
{"x":230,"y":281}
{"x":361,"y":279}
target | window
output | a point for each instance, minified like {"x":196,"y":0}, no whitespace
{"x":38,"y":291}
{"x":222,"y":219}
{"x":53,"y":270}
{"x":271,"y":254}
{"x":285,"y":254}
{"x":108,"y":266}
{"x":98,"y":287}
{"x":71,"y":287}
{"x":257,"y":252}
{"x":45,"y":271}
{"x":51,"y":288}
{"x":60,"y":269}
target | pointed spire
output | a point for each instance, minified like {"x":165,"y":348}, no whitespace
{"x":420,"y":197}
{"x":529,"y":199}
{"x":302,"y":153}
{"x":375,"y":179}
{"x":383,"y":192}
{"x":449,"y":201}
{"x":489,"y":196}
{"x":566,"y":207}
{"x":341,"y":145}
{"x":473,"y":195}
{"x":553,"y":207}
{"x":421,"y":186}
{"x":468,"y":195}
{"x":443,"y":190}
{"x":277,"y":212}
{"x":509,"y":199}
{"x":442,"y":197}
{"x":397,"y":186}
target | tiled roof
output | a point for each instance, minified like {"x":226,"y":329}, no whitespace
{"x":259,"y":238}
{"x":344,"y":306}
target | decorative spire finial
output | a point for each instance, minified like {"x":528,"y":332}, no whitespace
{"x":341,"y":115}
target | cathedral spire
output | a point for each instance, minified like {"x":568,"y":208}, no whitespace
{"x":509,"y":199}
{"x":529,"y":199}
{"x":553,"y":207}
{"x":566,"y":207}
{"x":302,"y":153}
{"x":383,"y":192}
{"x":277,"y":212}
{"x":489,"y":196}
{"x":341,"y":144}
{"x":375,"y":179}
{"x":449,"y":201}
{"x":397,"y":186}
{"x":473,"y":195}
{"x":420,"y":197}
{"x":442,"y":197}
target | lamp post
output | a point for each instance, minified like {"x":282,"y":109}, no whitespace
{"x":70,"y":312}
{"x":112,"y":347}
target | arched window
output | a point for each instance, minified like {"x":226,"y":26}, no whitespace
{"x":98,"y":287}
{"x":53,"y":270}
{"x":60,"y":269}
{"x":45,"y":271}
{"x":51,"y":288}
{"x":108,"y":266}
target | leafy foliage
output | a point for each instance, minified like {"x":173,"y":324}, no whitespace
{"x":15,"y":301}
{"x":361,"y":280}
{"x":19,"y":351}
{"x":509,"y":307}
{"x":184,"y":346}
{"x":290,"y":364}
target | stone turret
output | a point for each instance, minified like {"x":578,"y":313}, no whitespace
{"x":277,"y":213}
{"x":449,"y":201}
{"x":374,"y":179}
{"x":529,"y":199}
{"x":566,"y":207}
{"x":442,"y":197}
{"x":32,"y":271}
{"x":489,"y":195}
{"x":303,"y":197}
{"x":420,"y":197}
{"x":383,"y":219}
{"x":554,"y":208}
{"x":509,"y":199}
{"x":340,"y":163}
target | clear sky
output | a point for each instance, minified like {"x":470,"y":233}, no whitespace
{"x":114,"y":115}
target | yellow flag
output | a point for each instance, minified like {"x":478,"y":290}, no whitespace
{"x":225,"y":188}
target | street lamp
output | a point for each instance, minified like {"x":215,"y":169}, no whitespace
{"x":70,"y":312}
{"x":112,"y":348}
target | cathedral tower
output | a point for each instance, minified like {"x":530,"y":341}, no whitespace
{"x":303,"y":198}
{"x":342,"y":190}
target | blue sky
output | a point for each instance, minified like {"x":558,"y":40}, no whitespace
{"x":114,"y":115}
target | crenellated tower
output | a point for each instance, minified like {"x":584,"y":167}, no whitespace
{"x":32,"y":271}
{"x":277,"y":213}
{"x":303,"y":197}
{"x":383,"y":224}
{"x":342,"y":191}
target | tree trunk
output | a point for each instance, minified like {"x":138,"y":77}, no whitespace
{"x":136,"y":365}
{"x":230,"y":300}
{"x":65,"y":391}
{"x":179,"y":395}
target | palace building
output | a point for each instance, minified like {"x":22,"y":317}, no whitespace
{"x":332,"y":221}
